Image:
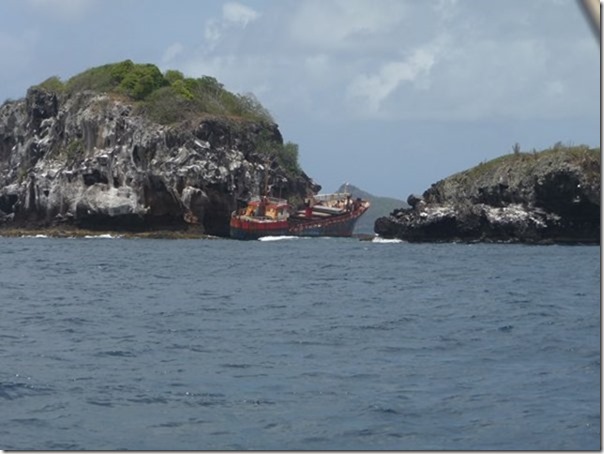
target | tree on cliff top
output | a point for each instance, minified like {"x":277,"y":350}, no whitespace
{"x":165,"y":98}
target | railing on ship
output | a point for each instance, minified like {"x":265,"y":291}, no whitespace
{"x":331,"y":197}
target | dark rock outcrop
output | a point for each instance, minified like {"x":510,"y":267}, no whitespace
{"x":90,"y":160}
{"x":547,"y":197}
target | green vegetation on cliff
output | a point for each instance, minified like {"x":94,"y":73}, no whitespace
{"x":165,"y":98}
{"x":286,"y":155}
{"x":518,"y":168}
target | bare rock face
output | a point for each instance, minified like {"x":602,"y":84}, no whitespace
{"x":88,"y":160}
{"x":547,"y":197}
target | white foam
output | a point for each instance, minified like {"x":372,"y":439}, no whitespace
{"x":277,"y":238}
{"x":104,"y":235}
{"x":378,"y":239}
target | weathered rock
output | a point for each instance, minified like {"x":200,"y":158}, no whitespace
{"x":413,"y":200}
{"x":89,"y":160}
{"x":552,"y":196}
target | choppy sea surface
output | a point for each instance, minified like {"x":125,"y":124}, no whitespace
{"x":298,"y":344}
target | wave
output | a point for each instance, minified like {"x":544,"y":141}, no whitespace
{"x":278,"y":238}
{"x":103,"y":235}
{"x":378,"y":239}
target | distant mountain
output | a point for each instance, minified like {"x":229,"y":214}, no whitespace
{"x":380,"y":206}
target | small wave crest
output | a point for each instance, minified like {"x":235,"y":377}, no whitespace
{"x":103,"y":235}
{"x":378,"y":239}
{"x":278,"y":238}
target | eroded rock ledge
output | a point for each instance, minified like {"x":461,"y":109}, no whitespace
{"x":547,"y":197}
{"x":89,"y":160}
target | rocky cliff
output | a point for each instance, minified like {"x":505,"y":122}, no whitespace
{"x":91,"y":160}
{"x":548,"y":197}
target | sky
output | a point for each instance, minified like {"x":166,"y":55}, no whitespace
{"x":388,"y":95}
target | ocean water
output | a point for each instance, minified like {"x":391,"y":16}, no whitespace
{"x":298,"y":344}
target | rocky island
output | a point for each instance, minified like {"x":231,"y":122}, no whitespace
{"x":552,"y":196}
{"x":123,"y":147}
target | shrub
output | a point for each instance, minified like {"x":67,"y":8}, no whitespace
{"x":169,"y":97}
{"x":180,"y":88}
{"x":52,"y":84}
{"x":141,"y":80}
{"x":251,"y":106}
{"x":289,"y":157}
{"x":172,"y":76}
{"x":102,"y":79}
{"x":166,"y":106}
{"x":286,"y":155}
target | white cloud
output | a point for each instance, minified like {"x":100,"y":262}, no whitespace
{"x":234,"y":15}
{"x":238,"y":13}
{"x":173,"y":51}
{"x":213,"y":31}
{"x":375,"y":88}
